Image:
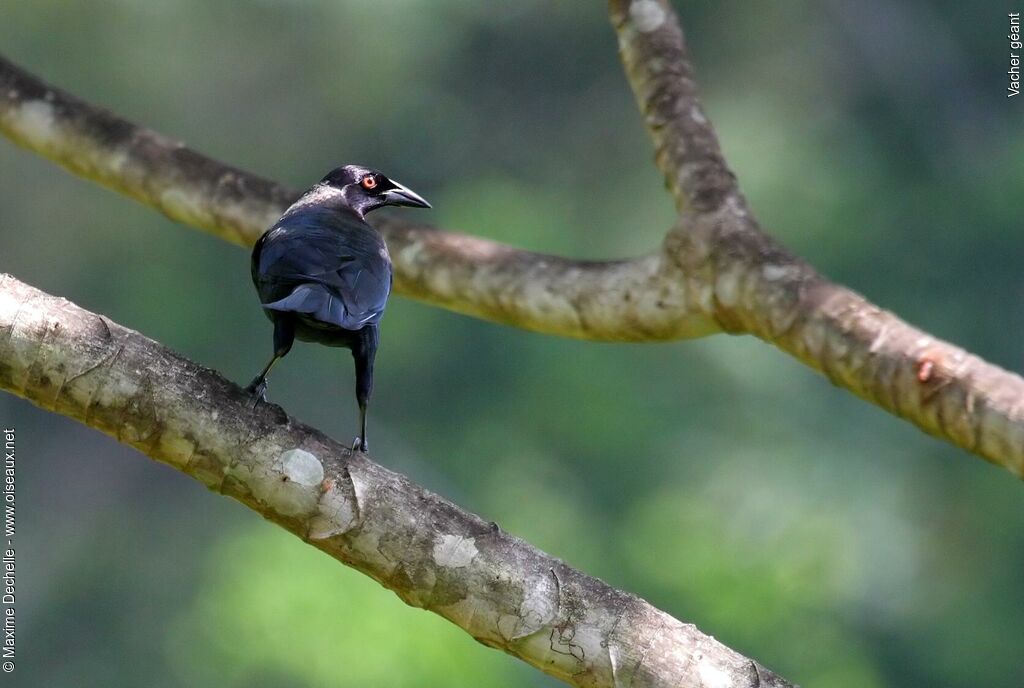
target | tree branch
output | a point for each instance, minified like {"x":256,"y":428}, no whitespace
{"x":717,"y":270}
{"x":621,"y":300}
{"x":755,"y":286}
{"x":499,"y":589}
{"x":655,"y":58}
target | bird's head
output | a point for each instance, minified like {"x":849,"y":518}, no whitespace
{"x":364,"y":189}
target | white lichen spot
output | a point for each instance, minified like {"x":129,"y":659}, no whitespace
{"x":773,"y":273}
{"x":301,"y":467}
{"x":182,"y":205}
{"x":115,"y":390}
{"x":454,"y":551}
{"x":9,"y":307}
{"x":215,"y":415}
{"x":697,"y":116}
{"x":647,"y":15}
{"x":711,"y":676}
{"x":735,"y":206}
{"x":35,"y":119}
{"x":727,"y":288}
{"x":117,"y":161}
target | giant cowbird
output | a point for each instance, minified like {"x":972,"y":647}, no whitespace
{"x":323,"y":274}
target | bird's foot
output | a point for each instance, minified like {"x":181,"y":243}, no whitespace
{"x":359,"y":444}
{"x":258,"y":389}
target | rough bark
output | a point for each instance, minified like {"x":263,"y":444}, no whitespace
{"x":432,"y":554}
{"x":755,"y":286}
{"x":717,"y":270}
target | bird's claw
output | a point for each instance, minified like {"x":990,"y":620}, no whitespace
{"x":359,"y":444}
{"x":258,"y":389}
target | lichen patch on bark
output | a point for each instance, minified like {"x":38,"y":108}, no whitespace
{"x":35,"y":118}
{"x":454,"y":551}
{"x":712,"y":676}
{"x":647,"y":15}
{"x":301,"y":467}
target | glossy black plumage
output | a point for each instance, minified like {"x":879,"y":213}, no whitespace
{"x":323,"y":274}
{"x":328,"y":266}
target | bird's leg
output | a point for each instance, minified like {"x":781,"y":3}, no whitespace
{"x":258,"y":387}
{"x":360,"y":442}
{"x":284,"y":336}
{"x":364,"y":352}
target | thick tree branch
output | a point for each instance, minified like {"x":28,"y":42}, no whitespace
{"x":754,"y":286}
{"x":622,"y":300}
{"x":499,"y":589}
{"x":716,"y":270}
{"x":686,"y":148}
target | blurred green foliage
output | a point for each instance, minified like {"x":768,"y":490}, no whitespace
{"x":303,"y":628}
{"x":718,"y":478}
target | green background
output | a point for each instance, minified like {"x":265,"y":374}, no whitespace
{"x":718,"y":478}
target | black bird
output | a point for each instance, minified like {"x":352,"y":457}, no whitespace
{"x":323,"y":274}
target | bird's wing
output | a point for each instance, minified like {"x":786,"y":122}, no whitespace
{"x":332,"y":268}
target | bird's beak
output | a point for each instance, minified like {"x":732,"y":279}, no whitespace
{"x":401,"y":195}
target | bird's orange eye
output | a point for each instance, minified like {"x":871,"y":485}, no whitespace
{"x":369,"y":182}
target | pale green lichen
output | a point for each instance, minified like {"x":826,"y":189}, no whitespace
{"x":301,"y":467}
